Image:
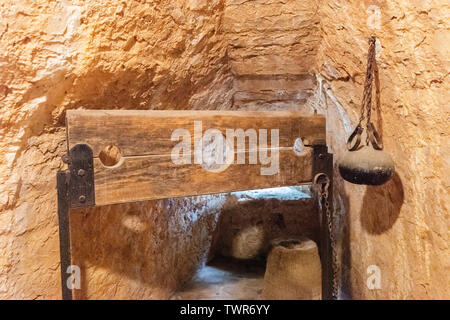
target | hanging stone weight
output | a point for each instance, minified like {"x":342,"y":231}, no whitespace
{"x":367,"y":166}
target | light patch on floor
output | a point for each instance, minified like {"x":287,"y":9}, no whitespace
{"x":225,"y":279}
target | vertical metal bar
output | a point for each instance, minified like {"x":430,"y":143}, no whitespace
{"x":323,"y":163}
{"x":62,"y":183}
{"x":329,"y":253}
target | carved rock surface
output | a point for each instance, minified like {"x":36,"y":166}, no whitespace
{"x":59,"y":55}
{"x":402,"y":226}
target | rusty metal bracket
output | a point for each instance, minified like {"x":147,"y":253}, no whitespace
{"x":75,"y":190}
{"x":323,"y":163}
{"x":81,"y":186}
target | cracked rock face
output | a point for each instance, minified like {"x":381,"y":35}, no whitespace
{"x":100,"y":55}
{"x":220,"y":54}
{"x":401,"y":227}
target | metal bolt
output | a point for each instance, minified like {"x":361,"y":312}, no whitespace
{"x":82,"y":198}
{"x":321,"y":156}
{"x":81,"y":172}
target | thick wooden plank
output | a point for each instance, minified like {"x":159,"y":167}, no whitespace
{"x":138,"y":133}
{"x":147,"y":171}
{"x":156,"y":177}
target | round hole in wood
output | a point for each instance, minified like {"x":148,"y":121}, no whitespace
{"x":110,"y":156}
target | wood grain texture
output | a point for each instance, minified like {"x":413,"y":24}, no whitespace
{"x":138,"y":133}
{"x":146,"y":170}
{"x":156,"y":177}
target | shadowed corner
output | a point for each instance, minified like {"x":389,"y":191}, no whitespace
{"x":346,"y":259}
{"x":138,"y":242}
{"x":381,"y":206}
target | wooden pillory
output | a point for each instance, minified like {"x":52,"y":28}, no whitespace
{"x":146,"y":169}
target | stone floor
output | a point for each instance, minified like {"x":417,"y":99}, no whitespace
{"x":224,"y":279}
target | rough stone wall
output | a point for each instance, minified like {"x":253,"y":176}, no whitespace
{"x":108,"y":54}
{"x":250,"y":221}
{"x":401,"y":227}
{"x":145,"y":250}
{"x":272,"y":47}
{"x":57,"y":55}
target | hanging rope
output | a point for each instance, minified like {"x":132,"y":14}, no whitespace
{"x":372,"y":135}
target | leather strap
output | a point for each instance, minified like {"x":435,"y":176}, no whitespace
{"x":374,"y":137}
{"x":355,"y":135}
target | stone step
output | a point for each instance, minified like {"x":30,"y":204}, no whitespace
{"x":274,"y":91}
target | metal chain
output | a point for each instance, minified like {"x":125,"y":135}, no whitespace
{"x":324,"y":186}
{"x":367,"y":93}
{"x":372,"y":135}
